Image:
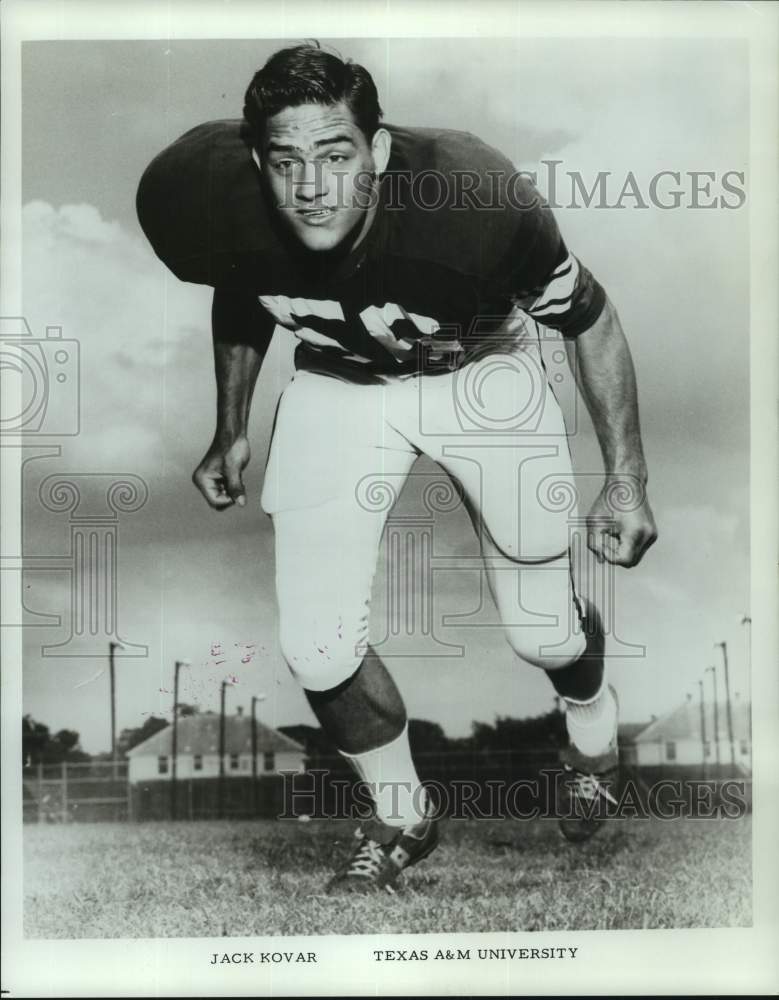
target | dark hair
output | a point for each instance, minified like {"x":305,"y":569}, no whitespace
{"x":306,"y":74}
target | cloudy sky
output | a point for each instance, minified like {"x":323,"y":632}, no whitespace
{"x":94,"y":114}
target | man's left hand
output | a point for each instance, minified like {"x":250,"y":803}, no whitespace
{"x":620,"y":525}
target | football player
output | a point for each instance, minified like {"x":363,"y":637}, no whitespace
{"x":413,"y":266}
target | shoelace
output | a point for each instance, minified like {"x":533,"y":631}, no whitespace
{"x":368,"y":860}
{"x":589,"y":787}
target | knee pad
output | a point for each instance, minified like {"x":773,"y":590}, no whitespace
{"x":321,"y":658}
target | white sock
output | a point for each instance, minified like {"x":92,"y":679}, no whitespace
{"x":590,"y":723}
{"x":390,"y":775}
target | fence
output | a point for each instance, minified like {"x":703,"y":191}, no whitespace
{"x":480,"y":783}
{"x":201,"y":798}
{"x":100,"y":791}
{"x":62,"y":793}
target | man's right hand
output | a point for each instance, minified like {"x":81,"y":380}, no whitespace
{"x":219,"y":475}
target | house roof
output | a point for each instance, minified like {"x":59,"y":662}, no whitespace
{"x":199,"y":734}
{"x":628,"y":731}
{"x":684,"y":722}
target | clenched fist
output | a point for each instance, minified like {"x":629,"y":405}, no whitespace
{"x":219,"y":476}
{"x":620,"y":525}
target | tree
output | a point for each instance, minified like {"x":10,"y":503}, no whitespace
{"x":537,"y":733}
{"x":129,"y":738}
{"x":426,"y":737}
{"x":40,"y":747}
{"x":67,"y":739}
{"x":35,"y":736}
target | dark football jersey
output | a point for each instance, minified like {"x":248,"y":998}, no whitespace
{"x":462,"y":248}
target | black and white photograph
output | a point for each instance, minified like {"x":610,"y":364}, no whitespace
{"x":389,"y":498}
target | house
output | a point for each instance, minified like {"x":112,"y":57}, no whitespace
{"x":197,"y":753}
{"x":678,"y":738}
{"x":626,"y":738}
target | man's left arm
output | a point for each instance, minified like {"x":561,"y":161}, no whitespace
{"x":620,"y":525}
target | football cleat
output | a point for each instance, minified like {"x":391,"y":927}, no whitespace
{"x":382,"y":852}
{"x":586,"y":792}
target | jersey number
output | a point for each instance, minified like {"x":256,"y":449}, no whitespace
{"x":377,"y":321}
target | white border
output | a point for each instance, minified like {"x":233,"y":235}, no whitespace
{"x":629,"y":962}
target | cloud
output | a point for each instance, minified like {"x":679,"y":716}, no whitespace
{"x":76,"y":223}
{"x":107,"y":291}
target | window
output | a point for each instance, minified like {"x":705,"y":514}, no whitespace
{"x":670,"y":751}
{"x":706,"y":748}
{"x":198,"y":762}
{"x":269,"y":761}
{"x":743,"y":746}
{"x":245,"y":762}
{"x":162,"y":765}
{"x":233,"y":761}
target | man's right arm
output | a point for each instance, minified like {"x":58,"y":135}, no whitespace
{"x":242,"y":331}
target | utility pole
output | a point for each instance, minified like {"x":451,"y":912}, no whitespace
{"x":713,"y":670}
{"x":703,"y":731}
{"x":174,"y":737}
{"x":221,"y":787}
{"x":111,"y":650}
{"x":724,"y":647}
{"x":256,"y":699}
{"x":746,"y":620}
{"x":254,"y":756}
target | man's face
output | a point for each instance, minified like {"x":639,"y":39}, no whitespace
{"x":318,"y":164}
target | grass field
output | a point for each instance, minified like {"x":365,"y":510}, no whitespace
{"x":253,"y":878}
